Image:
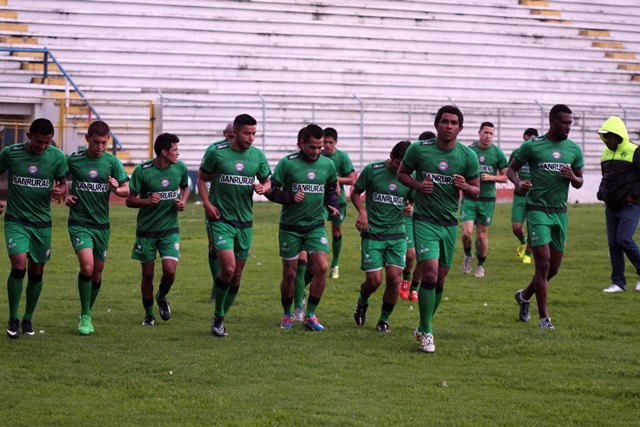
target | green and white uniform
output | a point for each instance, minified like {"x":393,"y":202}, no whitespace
{"x":518,"y":213}
{"x":302,"y":224}
{"x":157,"y":225}
{"x":231,"y":191}
{"x":491,"y":160}
{"x":31,"y":178}
{"x":546,"y":203}
{"x":344,"y":168}
{"x":435,"y":215}
{"x":384,"y":242}
{"x":89,"y":216}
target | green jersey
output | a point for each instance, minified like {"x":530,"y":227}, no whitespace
{"x":295,"y":174}
{"x":524,"y":174}
{"x":428,"y":160}
{"x":160,"y":219}
{"x":546,"y":159}
{"x":91,"y":185}
{"x":31,"y":178}
{"x":344,"y":168}
{"x":385,"y":197}
{"x":234,"y":172}
{"x":491,"y":160}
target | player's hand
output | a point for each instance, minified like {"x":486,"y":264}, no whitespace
{"x":486,"y":177}
{"x":154,"y":199}
{"x":70,"y":200}
{"x":333,"y":211}
{"x":259,"y":188}
{"x":180,"y":204}
{"x":211,"y":212}
{"x":298,"y":197}
{"x":459,"y":181}
{"x":426,"y":186}
{"x":338,"y":190}
{"x":408,"y":209}
{"x":113,"y":183}
{"x":362,"y":223}
{"x":567,"y":172}
{"x":524,"y":186}
{"x":56,"y":192}
{"x":2,"y":206}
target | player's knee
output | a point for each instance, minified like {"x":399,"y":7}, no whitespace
{"x":17,"y":273}
{"x":35,"y":276}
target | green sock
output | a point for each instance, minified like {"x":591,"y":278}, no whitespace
{"x":95,"y":290}
{"x":523,"y":240}
{"x":438,"y":299}
{"x":222,"y":289}
{"x":312,"y":306}
{"x":406,"y":275}
{"x":299,"y":283}
{"x":14,"y":289}
{"x":231,"y":296}
{"x":308,"y":277}
{"x":527,"y":253}
{"x":33,"y":293}
{"x":414,"y":286}
{"x":84,"y":289}
{"x":426,"y":303}
{"x":481,"y":261}
{"x":467,"y":251}
{"x":214,"y":266}
{"x":337,"y":247}
{"x":287,"y":303}
{"x":386,"y":311}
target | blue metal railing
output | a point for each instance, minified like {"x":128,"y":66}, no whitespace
{"x":47,"y":54}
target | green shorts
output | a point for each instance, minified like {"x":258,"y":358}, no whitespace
{"x":435,"y":242}
{"x":84,"y":237}
{"x":168,"y":247}
{"x":478,"y":211}
{"x":408,"y":227}
{"x":224,"y":236}
{"x":545,"y":228}
{"x":518,"y":212}
{"x":292,"y":242}
{"x":382,"y":253}
{"x":336,"y":219}
{"x":34,"y":241}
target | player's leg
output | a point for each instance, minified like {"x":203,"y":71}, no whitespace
{"x":518,"y":215}
{"x":301,"y":281}
{"x":86,"y":261}
{"x":96,"y":280}
{"x":290,"y":248}
{"x":336,"y":244}
{"x":169,"y":250}
{"x":482,"y":232}
{"x":39,"y":255}
{"x":146,"y":289}
{"x":371,"y":263}
{"x":394,"y":262}
{"x":467,"y":241}
{"x":629,"y":218}
{"x":14,"y":290}
{"x":442,"y":275}
{"x":318,"y":260}
{"x":214,"y":265}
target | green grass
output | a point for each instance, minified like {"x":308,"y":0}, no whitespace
{"x":489,"y":368}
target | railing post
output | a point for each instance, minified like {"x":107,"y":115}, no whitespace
{"x":624,"y":112}
{"x":361,"y":130}
{"x":45,"y":65}
{"x":584,"y":130}
{"x":541,"y":117}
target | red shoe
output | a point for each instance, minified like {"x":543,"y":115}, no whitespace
{"x":414,"y":296}
{"x":404,"y":289}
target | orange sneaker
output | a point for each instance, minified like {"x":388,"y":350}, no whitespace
{"x":404,"y":289}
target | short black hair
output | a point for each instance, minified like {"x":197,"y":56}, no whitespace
{"x":451,"y":109}
{"x":41,"y":127}
{"x":400,"y":149}
{"x":99,"y":128}
{"x":164,"y":142}
{"x":243,"y":120}
{"x":531,"y":132}
{"x":487,"y":124}
{"x":557,"y":109}
{"x":312,"y":130}
{"x":331,"y":133}
{"x":427,"y":134}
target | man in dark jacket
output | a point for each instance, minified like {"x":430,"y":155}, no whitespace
{"x":620,"y":191}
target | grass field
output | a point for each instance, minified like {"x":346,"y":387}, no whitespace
{"x":489,"y":369}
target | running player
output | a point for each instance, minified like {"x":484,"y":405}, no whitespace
{"x":232,"y":169}
{"x":444,"y":167}
{"x":159,"y":188}
{"x":381,"y":226}
{"x":36,"y":174}
{"x":554,"y":162}
{"x":303,"y":182}
{"x":518,"y":214}
{"x":346,"y":176}
{"x":95,"y":174}
{"x":493,"y":168}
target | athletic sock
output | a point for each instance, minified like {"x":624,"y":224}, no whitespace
{"x":95,"y":290}
{"x":312,"y":305}
{"x":414,"y":286}
{"x":467,"y":251}
{"x":148,"y":307}
{"x":337,"y":247}
{"x":406,"y":275}
{"x":299,"y":284}
{"x":523,"y":240}
{"x":426,"y":303}
{"x":287,"y":303}
{"x":163,"y":289}
{"x":222,"y":289}
{"x":214,"y":266}
{"x":481,"y":260}
{"x":308,"y":277}
{"x":231,"y":296}
{"x":386,"y":311}
{"x":84,"y":289}
{"x":14,"y":290}
{"x":34,"y":287}
{"x":364,"y":297}
{"x":439,"y":292}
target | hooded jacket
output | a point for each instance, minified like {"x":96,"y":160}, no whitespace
{"x":620,"y":184}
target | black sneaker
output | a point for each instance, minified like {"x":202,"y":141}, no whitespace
{"x":149,"y":320}
{"x":360,"y":313}
{"x":27,"y":328}
{"x":382,"y":326}
{"x":165,"y":309}
{"x":13,"y":328}
{"x":217,"y":326}
{"x":525,"y":316}
{"x":213,"y":292}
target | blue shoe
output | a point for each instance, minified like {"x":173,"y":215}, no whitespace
{"x":311,"y":323}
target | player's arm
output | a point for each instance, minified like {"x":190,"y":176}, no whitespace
{"x":349,"y":179}
{"x":203,"y":193}
{"x":59,"y":188}
{"x":181,"y":201}
{"x":501,"y":176}
{"x":470,"y":188}
{"x":573,"y":175}
{"x":134,"y":201}
{"x":404,"y":176}
{"x":512,"y":174}
{"x":263,"y":186}
{"x":331,"y":198}
{"x":362,"y":222}
{"x":281,"y":196}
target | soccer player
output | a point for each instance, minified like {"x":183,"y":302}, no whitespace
{"x":444,"y":167}
{"x":36,"y":174}
{"x":232,"y":169}
{"x":493,"y":168}
{"x":303,"y":182}
{"x":346,"y":176}
{"x":95,"y":174}
{"x":518,"y":214}
{"x":159,"y":188}
{"x":554,"y":162}
{"x":381,"y":226}
{"x":411,"y":283}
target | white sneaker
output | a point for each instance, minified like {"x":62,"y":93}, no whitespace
{"x":466,"y":264}
{"x":426,"y":341}
{"x":479,"y":272}
{"x":638,"y":286}
{"x":298,"y":314}
{"x":615,"y":288}
{"x":334,"y":273}
{"x":545,"y":323}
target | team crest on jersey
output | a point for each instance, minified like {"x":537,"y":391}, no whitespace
{"x":93,"y":173}
{"x":443,"y":165}
{"x":311,"y":176}
{"x":33,"y":169}
{"x":556,"y":155}
{"x":482,"y":158}
{"x":392,"y":187}
{"x":239,"y":167}
{"x":164,"y":183}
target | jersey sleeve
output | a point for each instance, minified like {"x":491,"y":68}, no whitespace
{"x":578,"y":161}
{"x":347,"y":166}
{"x":363,"y":179}
{"x":411,"y":156}
{"x":472,"y":166}
{"x":208,"y":163}
{"x":332,"y":176}
{"x":4,"y":159}
{"x":502,"y":160}
{"x":118,"y":171}
{"x":135,"y":186}
{"x":280,"y":172}
{"x":523,"y":152}
{"x":61,"y":169}
{"x":263,"y":169}
{"x":184,"y":179}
